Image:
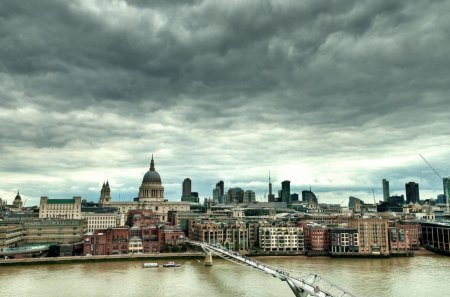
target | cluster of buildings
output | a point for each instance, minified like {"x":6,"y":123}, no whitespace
{"x":286,"y":224}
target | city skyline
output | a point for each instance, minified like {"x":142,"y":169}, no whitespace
{"x":333,"y":96}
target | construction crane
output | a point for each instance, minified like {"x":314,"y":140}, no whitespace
{"x":440,"y":177}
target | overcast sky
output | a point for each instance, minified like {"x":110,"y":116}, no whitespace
{"x":333,"y":95}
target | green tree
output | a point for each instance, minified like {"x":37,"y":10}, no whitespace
{"x":175,"y":249}
{"x":166,"y":248}
{"x":53,"y":251}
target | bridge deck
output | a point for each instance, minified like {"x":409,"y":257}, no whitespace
{"x":310,"y":284}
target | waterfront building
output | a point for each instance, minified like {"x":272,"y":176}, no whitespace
{"x":385,"y":190}
{"x":53,"y":231}
{"x":151,"y":197}
{"x":60,"y":208}
{"x":102,"y":217}
{"x":317,"y":239}
{"x":412,"y":192}
{"x":10,"y":236}
{"x":171,"y":236}
{"x":108,"y":241}
{"x":344,"y":241}
{"x":372,"y":234}
{"x":281,"y":239}
{"x":436,"y":236}
{"x":135,"y":245}
{"x":231,"y":234}
{"x":404,"y":237}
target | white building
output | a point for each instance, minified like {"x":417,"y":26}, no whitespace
{"x":106,"y":220}
{"x":69,"y":209}
{"x":281,"y":238}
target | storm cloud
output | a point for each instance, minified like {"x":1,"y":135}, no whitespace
{"x":335,"y":95}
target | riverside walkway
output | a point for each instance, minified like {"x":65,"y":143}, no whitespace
{"x":301,"y":285}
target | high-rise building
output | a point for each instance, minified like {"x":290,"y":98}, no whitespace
{"x":218,"y":192}
{"x":271,"y":197}
{"x":446,"y":183}
{"x":235,"y":195}
{"x":187,"y":187}
{"x":249,"y":196}
{"x":219,"y":186}
{"x":286,"y":191}
{"x":412,"y":192}
{"x":309,"y":197}
{"x":385,"y":190}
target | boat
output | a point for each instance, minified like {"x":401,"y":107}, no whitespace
{"x":148,"y":265}
{"x":171,"y":264}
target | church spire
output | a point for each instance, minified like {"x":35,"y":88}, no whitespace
{"x":152,"y":164}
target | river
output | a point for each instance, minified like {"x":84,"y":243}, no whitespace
{"x":414,"y":276}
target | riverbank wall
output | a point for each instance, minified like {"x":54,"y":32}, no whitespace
{"x":100,"y":258}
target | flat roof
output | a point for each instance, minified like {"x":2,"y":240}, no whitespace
{"x":61,"y":201}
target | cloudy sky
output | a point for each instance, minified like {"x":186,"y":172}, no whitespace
{"x":333,"y":95}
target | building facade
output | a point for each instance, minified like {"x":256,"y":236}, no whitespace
{"x":317,"y":239}
{"x":283,"y":239}
{"x":412,"y":192}
{"x":436,"y":236}
{"x":344,"y":241}
{"x":372,"y":234}
{"x":69,"y":209}
{"x":10,"y":236}
{"x":60,"y":231}
{"x":231,"y":234}
{"x":286,"y":191}
{"x":385,"y":189}
{"x":111,"y":241}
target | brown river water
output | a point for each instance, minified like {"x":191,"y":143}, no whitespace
{"x":426,"y":275}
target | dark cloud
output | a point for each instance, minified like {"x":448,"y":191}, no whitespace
{"x":316,"y":89}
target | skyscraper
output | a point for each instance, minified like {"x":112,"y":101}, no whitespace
{"x":446,"y":183}
{"x":412,"y":192}
{"x":218,"y":192}
{"x":286,"y":191}
{"x":385,"y":190}
{"x":271,"y":197}
{"x":187,"y":187}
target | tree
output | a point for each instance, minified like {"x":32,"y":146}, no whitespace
{"x":53,"y":251}
{"x":175,"y":249}
{"x":166,"y":248}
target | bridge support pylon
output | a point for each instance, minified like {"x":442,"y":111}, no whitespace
{"x":297,"y":291}
{"x":208,"y":258}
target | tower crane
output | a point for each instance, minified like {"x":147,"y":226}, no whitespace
{"x":446,"y":184}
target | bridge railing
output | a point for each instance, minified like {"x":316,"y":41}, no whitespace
{"x":314,"y":284}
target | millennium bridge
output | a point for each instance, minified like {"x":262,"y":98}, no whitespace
{"x":301,"y":285}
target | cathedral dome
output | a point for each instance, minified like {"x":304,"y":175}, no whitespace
{"x":152,"y":176}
